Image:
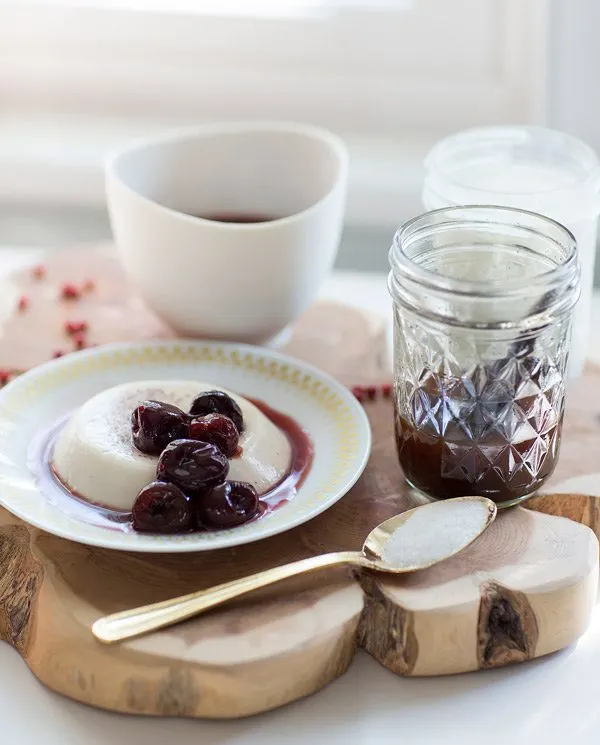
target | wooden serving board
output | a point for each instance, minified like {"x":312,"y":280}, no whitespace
{"x":524,"y":589}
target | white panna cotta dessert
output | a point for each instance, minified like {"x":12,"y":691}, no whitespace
{"x":96,"y":459}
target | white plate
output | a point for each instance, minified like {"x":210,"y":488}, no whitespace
{"x":33,"y":403}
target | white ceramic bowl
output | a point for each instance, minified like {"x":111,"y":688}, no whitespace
{"x":225,"y":280}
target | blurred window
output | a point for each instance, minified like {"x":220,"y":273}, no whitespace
{"x":390,"y":76}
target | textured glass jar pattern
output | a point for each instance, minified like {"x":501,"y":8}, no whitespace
{"x":479,"y":372}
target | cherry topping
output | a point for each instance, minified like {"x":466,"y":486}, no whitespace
{"x":227,"y":505}
{"x":217,"y":402}
{"x":162,"y":508}
{"x":219,"y":430}
{"x":155,"y":424}
{"x":192,"y":465}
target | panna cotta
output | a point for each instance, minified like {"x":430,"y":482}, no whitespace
{"x":96,"y":459}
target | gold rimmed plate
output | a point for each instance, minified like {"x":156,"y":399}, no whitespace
{"x":35,"y":405}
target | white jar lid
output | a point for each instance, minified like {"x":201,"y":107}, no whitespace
{"x":531,"y":168}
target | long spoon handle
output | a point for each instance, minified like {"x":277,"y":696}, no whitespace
{"x":147,"y":618}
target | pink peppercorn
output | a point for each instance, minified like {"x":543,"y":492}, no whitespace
{"x":76,"y":327}
{"x":69,"y":292}
{"x":79,"y":341}
{"x":359,"y":393}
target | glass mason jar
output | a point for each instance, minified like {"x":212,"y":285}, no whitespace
{"x":483,"y":299}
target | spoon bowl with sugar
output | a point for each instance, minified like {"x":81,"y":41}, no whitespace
{"x":413,"y":540}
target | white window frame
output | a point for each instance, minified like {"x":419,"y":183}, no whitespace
{"x":76,"y":81}
{"x":573,"y":100}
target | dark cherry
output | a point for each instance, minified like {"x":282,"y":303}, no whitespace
{"x":192,"y":465}
{"x":227,"y":505}
{"x":155,"y":424}
{"x":217,"y":402}
{"x":217,"y":429}
{"x":162,"y":508}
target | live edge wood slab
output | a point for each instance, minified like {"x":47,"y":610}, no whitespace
{"x":524,"y":589}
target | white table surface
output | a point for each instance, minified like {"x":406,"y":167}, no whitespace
{"x":549,"y":701}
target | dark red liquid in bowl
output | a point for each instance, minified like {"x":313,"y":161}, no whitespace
{"x":238,"y":217}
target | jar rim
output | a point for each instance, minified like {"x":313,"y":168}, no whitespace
{"x":478,"y":142}
{"x":401,"y":263}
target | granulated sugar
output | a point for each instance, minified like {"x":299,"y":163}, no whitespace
{"x":436,"y":531}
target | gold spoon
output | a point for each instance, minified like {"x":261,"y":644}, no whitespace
{"x":416,"y":539}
